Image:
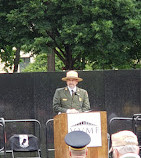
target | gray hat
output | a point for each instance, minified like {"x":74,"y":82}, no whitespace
{"x":77,"y":139}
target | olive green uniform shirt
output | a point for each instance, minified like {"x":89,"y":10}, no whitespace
{"x":63,"y":100}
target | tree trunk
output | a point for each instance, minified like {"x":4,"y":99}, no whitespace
{"x":16,"y":60}
{"x":69,"y":63}
{"x":51,"y":61}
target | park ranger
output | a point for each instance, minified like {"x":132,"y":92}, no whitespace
{"x":71,"y":99}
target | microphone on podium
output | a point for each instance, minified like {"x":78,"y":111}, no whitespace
{"x":89,"y":110}
{"x":77,"y":93}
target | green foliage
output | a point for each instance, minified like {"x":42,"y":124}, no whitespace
{"x":40,"y":64}
{"x":105,"y":34}
{"x":7,"y":57}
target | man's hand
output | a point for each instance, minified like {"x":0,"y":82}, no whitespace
{"x":72,"y":111}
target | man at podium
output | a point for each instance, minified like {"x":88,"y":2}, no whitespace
{"x":71,"y":99}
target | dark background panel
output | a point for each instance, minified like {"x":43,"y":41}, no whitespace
{"x":111,"y":95}
{"x":93,"y":82}
{"x":129,"y":92}
{"x":29,"y":95}
{"x":122,"y":93}
{"x":16,"y":96}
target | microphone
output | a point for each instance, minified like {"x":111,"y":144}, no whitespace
{"x":77,"y":93}
{"x":89,"y":110}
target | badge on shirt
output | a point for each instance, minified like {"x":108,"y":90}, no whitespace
{"x":64,"y":99}
{"x":80,"y":99}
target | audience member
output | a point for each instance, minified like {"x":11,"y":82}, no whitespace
{"x":124,"y":145}
{"x":77,"y":142}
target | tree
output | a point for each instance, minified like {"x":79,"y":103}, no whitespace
{"x":12,"y":35}
{"x":6,"y":50}
{"x":123,"y":49}
{"x":105,"y":33}
{"x":7,"y":56}
{"x":40,"y":64}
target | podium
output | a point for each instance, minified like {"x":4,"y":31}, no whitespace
{"x":61,"y":129}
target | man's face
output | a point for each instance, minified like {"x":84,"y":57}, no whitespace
{"x":72,"y":83}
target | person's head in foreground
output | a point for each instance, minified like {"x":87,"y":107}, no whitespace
{"x":77,"y":142}
{"x":124,"y":145}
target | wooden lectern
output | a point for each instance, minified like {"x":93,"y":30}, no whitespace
{"x":61,"y":129}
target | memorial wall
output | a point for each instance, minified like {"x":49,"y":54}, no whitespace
{"x":29,"y":95}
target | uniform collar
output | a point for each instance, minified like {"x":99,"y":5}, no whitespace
{"x":70,"y":90}
{"x":74,"y":89}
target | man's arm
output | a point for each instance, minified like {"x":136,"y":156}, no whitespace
{"x":86,"y":103}
{"x":57,"y":103}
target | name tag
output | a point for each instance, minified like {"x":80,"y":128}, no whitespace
{"x":64,"y":99}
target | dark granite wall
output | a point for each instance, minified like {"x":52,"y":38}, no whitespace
{"x":29,"y":95}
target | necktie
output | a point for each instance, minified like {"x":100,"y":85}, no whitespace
{"x":72,"y":92}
